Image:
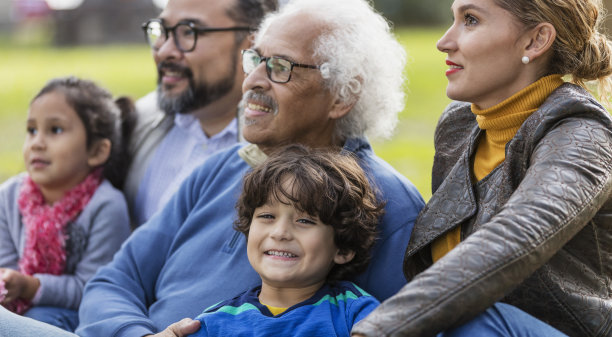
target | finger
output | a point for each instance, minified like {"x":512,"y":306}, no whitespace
{"x":8,"y":299}
{"x":3,"y":291}
{"x":188,"y":326}
{"x":8,"y":275}
{"x":183,"y":327}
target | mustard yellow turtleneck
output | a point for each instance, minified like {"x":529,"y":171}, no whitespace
{"x":500,"y":123}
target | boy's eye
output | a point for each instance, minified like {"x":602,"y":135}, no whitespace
{"x":31,"y":130}
{"x":265,"y":216}
{"x":57,"y":129}
{"x":306,"y":221}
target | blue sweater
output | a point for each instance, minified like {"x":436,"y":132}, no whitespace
{"x":188,"y":256}
{"x":332,"y":311}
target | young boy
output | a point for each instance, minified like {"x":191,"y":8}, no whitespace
{"x":310,"y":220}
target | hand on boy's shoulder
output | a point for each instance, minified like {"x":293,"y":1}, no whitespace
{"x":181,"y":328}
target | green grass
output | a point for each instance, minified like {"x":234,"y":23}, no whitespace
{"x":129,"y":70}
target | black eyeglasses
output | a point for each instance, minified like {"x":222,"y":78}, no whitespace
{"x":277,"y":68}
{"x":185,"y":34}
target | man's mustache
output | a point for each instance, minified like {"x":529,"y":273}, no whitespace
{"x":261,"y":98}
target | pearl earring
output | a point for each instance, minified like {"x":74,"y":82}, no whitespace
{"x":525,"y":59}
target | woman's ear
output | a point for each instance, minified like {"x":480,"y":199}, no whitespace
{"x":343,"y":257}
{"x":99,"y":152}
{"x":540,"y":40}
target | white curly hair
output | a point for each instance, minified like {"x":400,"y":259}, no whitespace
{"x":361,"y":61}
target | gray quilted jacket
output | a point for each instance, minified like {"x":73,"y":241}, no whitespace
{"x":536,"y":232}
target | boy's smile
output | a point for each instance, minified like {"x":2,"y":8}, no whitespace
{"x":281,"y":254}
{"x":290,"y":249}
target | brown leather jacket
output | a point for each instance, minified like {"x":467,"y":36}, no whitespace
{"x":536,"y":232}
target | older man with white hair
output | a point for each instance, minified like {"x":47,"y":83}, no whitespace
{"x":321,"y":73}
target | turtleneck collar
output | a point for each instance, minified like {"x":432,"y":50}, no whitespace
{"x":503,"y":120}
{"x":500,"y":123}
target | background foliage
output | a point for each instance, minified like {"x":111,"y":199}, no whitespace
{"x":416,"y":12}
{"x":27,"y":62}
{"x":129,"y":70}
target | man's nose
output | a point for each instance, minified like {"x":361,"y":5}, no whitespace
{"x":257,"y":79}
{"x":167,"y":49}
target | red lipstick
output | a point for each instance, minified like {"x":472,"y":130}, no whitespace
{"x":454,"y":67}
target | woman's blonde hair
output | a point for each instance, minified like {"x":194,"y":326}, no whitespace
{"x":580,"y":49}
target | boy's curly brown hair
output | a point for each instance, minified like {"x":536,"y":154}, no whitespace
{"x":326,"y":183}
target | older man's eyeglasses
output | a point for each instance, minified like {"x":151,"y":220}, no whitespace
{"x":277,"y":68}
{"x":185,"y":34}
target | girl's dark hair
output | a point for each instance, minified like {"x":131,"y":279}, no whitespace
{"x":102,"y":117}
{"x":324,"y":183}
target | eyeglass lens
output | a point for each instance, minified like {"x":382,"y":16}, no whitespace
{"x":183,"y":34}
{"x":250,"y":61}
{"x":278,"y":69}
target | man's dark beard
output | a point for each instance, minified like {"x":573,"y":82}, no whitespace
{"x":196,"y":95}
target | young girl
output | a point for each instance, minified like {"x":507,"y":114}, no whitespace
{"x":63,"y":220}
{"x":522,"y":177}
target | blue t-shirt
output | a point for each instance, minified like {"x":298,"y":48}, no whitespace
{"x":332,"y":311}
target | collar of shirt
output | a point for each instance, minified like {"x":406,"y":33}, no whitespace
{"x":254,"y":156}
{"x":191,"y":125}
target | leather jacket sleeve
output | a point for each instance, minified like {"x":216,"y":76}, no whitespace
{"x":567,"y":181}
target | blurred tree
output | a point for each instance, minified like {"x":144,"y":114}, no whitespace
{"x":428,"y":12}
{"x":416,"y":12}
{"x":608,"y":21}
{"x":103,"y":21}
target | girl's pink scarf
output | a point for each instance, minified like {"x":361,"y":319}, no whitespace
{"x":45,"y":228}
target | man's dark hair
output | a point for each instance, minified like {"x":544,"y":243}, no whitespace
{"x":325,"y":183}
{"x":250,"y":13}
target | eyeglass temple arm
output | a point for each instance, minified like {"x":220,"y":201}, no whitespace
{"x":305,"y":66}
{"x":239,"y":28}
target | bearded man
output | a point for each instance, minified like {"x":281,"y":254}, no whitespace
{"x":196,"y":46}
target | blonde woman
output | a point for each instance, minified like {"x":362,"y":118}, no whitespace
{"x":521,"y":210}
